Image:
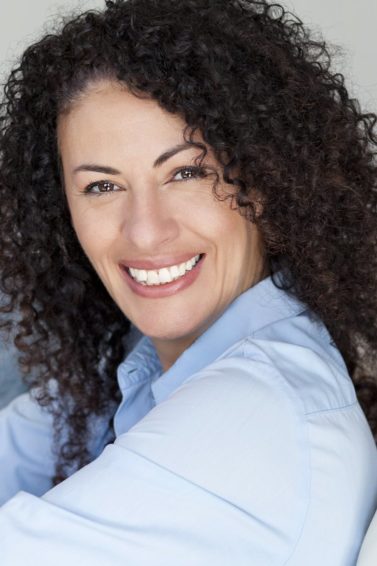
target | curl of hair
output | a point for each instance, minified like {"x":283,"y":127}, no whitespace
{"x":250,"y":77}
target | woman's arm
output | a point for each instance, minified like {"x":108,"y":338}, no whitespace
{"x":219,"y":473}
{"x":26,"y":460}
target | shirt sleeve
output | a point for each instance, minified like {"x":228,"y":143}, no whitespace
{"x":215,"y":474}
{"x":26,"y":460}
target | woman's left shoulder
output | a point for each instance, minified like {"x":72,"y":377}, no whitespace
{"x":312,"y":377}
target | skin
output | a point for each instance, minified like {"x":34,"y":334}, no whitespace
{"x":153,"y":213}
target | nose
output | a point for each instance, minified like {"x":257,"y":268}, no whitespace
{"x":149,"y":223}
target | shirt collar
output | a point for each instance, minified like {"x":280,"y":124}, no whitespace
{"x":257,"y":307}
{"x":141,"y":363}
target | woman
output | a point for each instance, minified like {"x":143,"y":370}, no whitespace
{"x":188,"y":232}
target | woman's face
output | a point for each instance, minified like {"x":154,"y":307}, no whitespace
{"x":130,"y":208}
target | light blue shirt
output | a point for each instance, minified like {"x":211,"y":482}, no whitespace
{"x":10,"y":375}
{"x":251,"y":449}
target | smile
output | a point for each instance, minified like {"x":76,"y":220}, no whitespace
{"x":163,"y":275}
{"x":163,"y":282}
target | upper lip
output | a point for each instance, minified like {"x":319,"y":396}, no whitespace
{"x":158,"y":263}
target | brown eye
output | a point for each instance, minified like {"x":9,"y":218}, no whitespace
{"x":188,"y":173}
{"x":101,"y":187}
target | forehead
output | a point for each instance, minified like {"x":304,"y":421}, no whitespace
{"x":109,"y":123}
{"x":110,"y":105}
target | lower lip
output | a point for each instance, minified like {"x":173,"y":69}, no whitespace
{"x":166,"y":289}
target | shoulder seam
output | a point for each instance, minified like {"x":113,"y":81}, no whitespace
{"x":333,"y":409}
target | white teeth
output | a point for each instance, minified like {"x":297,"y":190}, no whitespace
{"x":181,"y":269}
{"x":152,"y":278}
{"x":175,"y":271}
{"x":163,"y":275}
{"x":141,"y":275}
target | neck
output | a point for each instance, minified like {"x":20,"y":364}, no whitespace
{"x":169,"y":351}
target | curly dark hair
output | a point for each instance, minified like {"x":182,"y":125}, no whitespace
{"x":250,"y":77}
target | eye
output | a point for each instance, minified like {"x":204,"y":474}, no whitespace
{"x":190,"y":172}
{"x":101,"y":187}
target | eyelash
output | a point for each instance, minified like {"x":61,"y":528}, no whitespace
{"x":199,"y":172}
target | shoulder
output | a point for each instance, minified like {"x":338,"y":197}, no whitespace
{"x":296,"y":367}
{"x":239,"y":431}
{"x":271,"y":431}
{"x":241,"y":387}
{"x":234,"y":430}
{"x":312,"y":374}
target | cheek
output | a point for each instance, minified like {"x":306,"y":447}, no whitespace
{"x":227,"y":225}
{"x":94,"y":234}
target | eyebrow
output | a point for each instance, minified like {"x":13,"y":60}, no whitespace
{"x":158,"y":162}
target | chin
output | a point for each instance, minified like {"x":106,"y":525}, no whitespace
{"x":169,"y":332}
